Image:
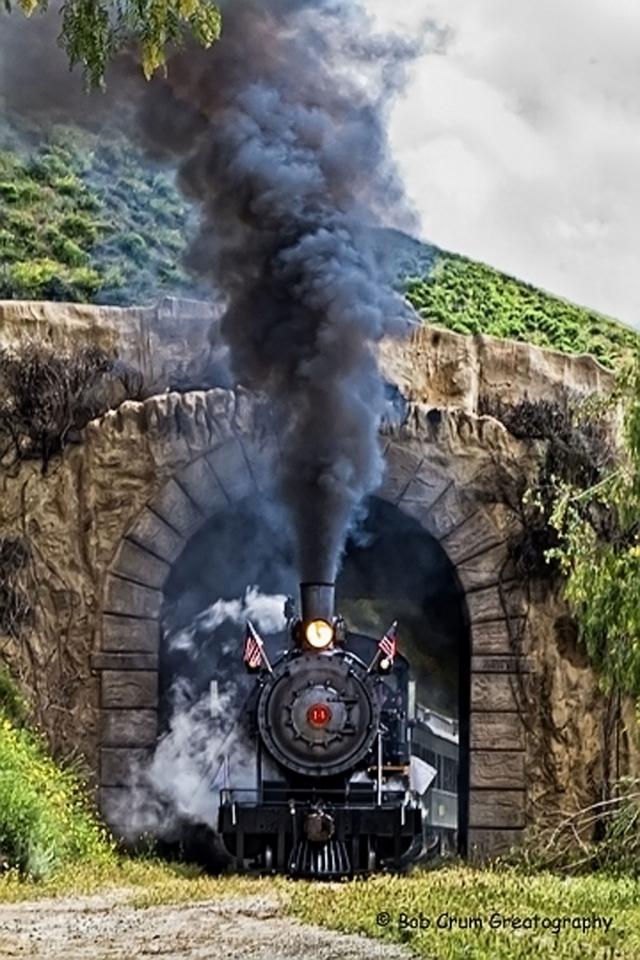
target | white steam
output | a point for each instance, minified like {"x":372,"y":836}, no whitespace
{"x":204,"y":749}
{"x":266,"y":611}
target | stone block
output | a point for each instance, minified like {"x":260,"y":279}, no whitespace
{"x":483,"y":843}
{"x":427,"y":488}
{"x":494,"y":692}
{"x":201,"y":483}
{"x":172,"y":313}
{"x":126,"y":814}
{"x":471,"y":538}
{"x":451,"y":510}
{"x":221,"y":409}
{"x":194,"y":424}
{"x":115,"y":804}
{"x":124,"y":689}
{"x":418,"y":510}
{"x":131,"y":599}
{"x":155,"y":535}
{"x":124,"y":661}
{"x":176,"y":508}
{"x":497,"y":731}
{"x":244,"y":418}
{"x":118,"y":765}
{"x":493,"y":638}
{"x":497,"y":809}
{"x":263,"y":463}
{"x":497,"y":769}
{"x":402,"y":464}
{"x":495,"y":603}
{"x":497,"y":664}
{"x":230,"y":467}
{"x":135,"y":563}
{"x":483,"y":571}
{"x":129,"y":728}
{"x":130,"y":634}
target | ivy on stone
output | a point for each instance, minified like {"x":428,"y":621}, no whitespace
{"x":598,"y":552}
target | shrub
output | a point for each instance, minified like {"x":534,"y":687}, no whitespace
{"x":85,"y":282}
{"x":47,"y":279}
{"x":20,"y":224}
{"x":88,"y":203}
{"x":47,"y":167}
{"x":16,"y":192}
{"x":68,"y":185}
{"x":48,"y":393}
{"x":79,"y":227}
{"x":28,"y":279}
{"x":69,"y":252}
{"x":8,"y":249}
{"x":87,"y":218}
{"x":46,"y":819}
{"x":134,"y":246}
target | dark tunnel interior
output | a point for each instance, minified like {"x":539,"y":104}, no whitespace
{"x":392,"y":569}
{"x":241,"y":564}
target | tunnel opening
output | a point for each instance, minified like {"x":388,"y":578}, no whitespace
{"x":241,"y":565}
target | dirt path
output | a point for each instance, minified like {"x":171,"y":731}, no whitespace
{"x":109,"y":928}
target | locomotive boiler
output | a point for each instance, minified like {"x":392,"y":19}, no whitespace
{"x":329,"y":723}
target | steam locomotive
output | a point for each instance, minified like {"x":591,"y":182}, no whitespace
{"x":329,"y":721}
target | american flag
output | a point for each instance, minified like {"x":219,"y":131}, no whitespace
{"x":388,"y":646}
{"x":253,"y":645}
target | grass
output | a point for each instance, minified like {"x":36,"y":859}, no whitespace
{"x":56,"y":846}
{"x":448,"y":898}
{"x":459,"y":903}
{"x":149,"y":881}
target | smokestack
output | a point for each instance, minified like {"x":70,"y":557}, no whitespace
{"x":317,"y":601}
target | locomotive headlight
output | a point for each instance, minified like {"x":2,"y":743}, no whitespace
{"x":318,"y":634}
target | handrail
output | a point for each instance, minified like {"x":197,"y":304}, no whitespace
{"x":245,"y":796}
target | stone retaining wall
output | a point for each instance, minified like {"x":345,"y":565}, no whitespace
{"x":112,"y":516}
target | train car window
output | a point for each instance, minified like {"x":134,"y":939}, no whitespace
{"x":449,"y":775}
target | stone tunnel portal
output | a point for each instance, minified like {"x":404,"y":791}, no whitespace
{"x":241,"y":564}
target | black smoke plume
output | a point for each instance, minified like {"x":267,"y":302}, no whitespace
{"x":280,"y":134}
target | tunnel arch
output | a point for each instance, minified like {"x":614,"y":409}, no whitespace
{"x":424,"y":490}
{"x":241,"y":564}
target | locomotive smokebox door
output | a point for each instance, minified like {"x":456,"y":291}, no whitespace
{"x":318,"y":716}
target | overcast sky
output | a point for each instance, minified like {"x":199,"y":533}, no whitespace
{"x":519,"y":140}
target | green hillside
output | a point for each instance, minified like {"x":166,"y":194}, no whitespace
{"x":84,"y":218}
{"x":470,"y":298}
{"x":88,"y":218}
